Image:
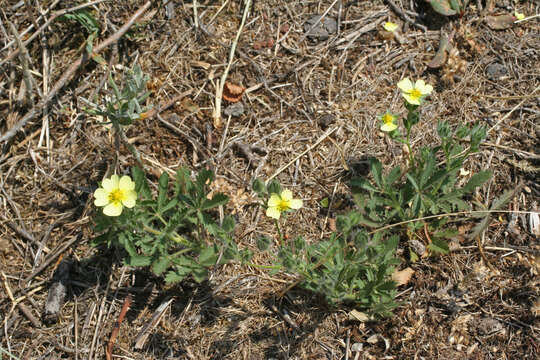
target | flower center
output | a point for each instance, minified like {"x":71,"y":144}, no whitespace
{"x":283,"y":205}
{"x":415,"y":93}
{"x":116,"y":196}
{"x":388,"y":119}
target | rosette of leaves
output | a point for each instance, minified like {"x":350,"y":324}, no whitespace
{"x":428,"y":187}
{"x":175,"y":233}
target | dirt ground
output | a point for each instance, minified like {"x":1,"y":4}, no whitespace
{"x":311,"y":103}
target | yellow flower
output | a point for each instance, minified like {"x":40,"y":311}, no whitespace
{"x":282,"y":202}
{"x":114,"y":194}
{"x":390,"y":26}
{"x":414,"y":93}
{"x":519,"y":15}
{"x":389,"y":123}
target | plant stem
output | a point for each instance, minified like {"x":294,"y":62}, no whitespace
{"x":268,"y":267}
{"x":279,"y":232}
{"x":175,"y":237}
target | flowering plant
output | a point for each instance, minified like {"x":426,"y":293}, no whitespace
{"x":428,"y":183}
{"x":174,"y":235}
{"x":349,"y":267}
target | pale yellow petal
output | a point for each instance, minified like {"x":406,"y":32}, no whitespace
{"x":286,"y":195}
{"x":113,"y":209}
{"x":101,"y":197}
{"x":411,"y":99}
{"x":110,"y":184}
{"x":126,"y":183}
{"x":390,"y":26}
{"x":296,"y":204}
{"x":274,"y":200}
{"x":405,"y":85}
{"x":425,"y":89}
{"x":130,"y":199}
{"x":273,"y":212}
{"x":388,"y":127}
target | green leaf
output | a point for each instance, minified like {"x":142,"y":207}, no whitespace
{"x":218,"y":199}
{"x":171,"y":204}
{"x":393,"y":176}
{"x":439,"y":246}
{"x":160,"y":265}
{"x":199,"y":274}
{"x":139,"y":260}
{"x":274,"y":187}
{"x":413,"y":182}
{"x":141,"y":183}
{"x":442,"y":7}
{"x":208,"y":256}
{"x":413,"y":256}
{"x":183,"y":181}
{"x":163,"y":188}
{"x":502,"y":200}
{"x":376,"y":171}
{"x":263,"y":243}
{"x":476,"y":180}
{"x":228,"y":224}
{"x":258,"y":186}
{"x":174,"y":277}
{"x":362,"y":184}
{"x":324,"y":203}
{"x":427,"y":171}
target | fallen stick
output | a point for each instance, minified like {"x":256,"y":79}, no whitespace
{"x":116,"y":329}
{"x":70,"y":72}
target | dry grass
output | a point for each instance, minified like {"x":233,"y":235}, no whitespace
{"x":453,"y":307}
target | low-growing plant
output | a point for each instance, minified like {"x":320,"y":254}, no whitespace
{"x":348,"y":268}
{"x":428,"y":184}
{"x":123,"y":107}
{"x":174,"y":233}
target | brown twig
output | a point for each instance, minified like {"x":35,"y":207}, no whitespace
{"x":116,"y":329}
{"x":70,"y":72}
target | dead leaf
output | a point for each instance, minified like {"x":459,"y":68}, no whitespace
{"x":188,"y":105}
{"x":402,"y":277}
{"x":440,"y":57}
{"x":356,"y":315}
{"x":232,"y":92}
{"x":500,"y":22}
{"x":261,"y":44}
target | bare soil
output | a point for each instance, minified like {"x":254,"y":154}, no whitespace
{"x":300,"y":89}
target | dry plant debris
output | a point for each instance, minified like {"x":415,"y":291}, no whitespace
{"x":311,"y":78}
